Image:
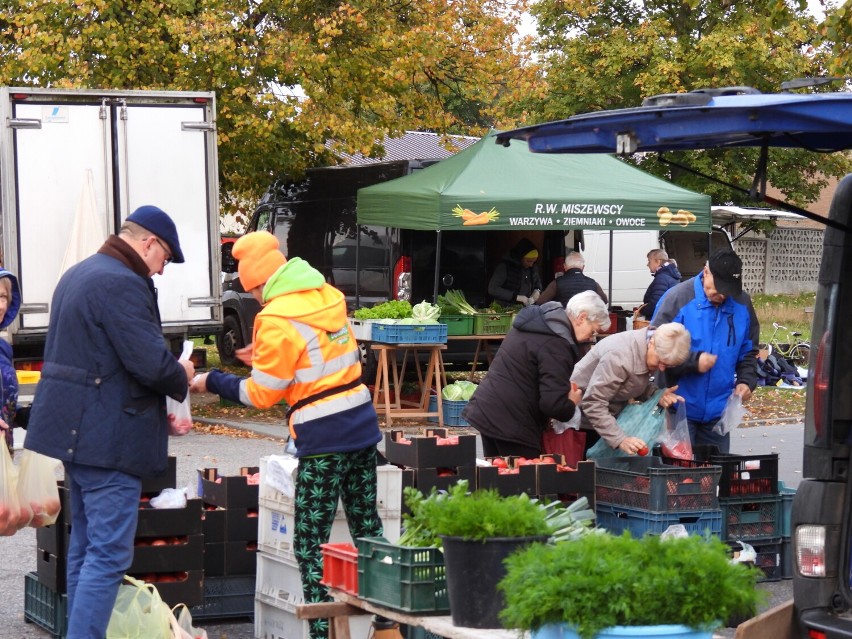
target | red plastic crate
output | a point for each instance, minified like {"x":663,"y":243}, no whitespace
{"x":340,"y":567}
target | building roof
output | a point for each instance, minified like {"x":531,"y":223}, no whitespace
{"x":416,"y":145}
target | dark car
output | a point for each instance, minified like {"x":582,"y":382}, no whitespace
{"x":315,"y":218}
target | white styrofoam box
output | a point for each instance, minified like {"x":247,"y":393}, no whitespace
{"x":277,"y":580}
{"x":388,"y":487}
{"x":276,"y":524}
{"x":362,"y":329}
{"x":272,"y":621}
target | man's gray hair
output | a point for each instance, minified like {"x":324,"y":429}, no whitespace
{"x":590,"y":303}
{"x":575,"y":259}
{"x":658,"y":254}
{"x":673,"y":343}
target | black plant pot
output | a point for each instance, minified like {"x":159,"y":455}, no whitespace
{"x":474,"y":568}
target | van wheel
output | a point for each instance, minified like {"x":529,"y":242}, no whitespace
{"x":230,"y":341}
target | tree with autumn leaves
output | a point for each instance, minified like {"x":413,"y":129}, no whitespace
{"x":299,"y":82}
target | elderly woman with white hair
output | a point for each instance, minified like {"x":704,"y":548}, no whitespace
{"x":528,"y":381}
{"x":622,"y":368}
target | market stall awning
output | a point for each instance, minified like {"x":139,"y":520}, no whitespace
{"x":489,"y":187}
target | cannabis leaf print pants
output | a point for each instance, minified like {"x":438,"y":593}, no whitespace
{"x":320,"y":482}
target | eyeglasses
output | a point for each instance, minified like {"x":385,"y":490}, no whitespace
{"x":169,"y":258}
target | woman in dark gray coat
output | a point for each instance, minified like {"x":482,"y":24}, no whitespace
{"x":529,"y":380}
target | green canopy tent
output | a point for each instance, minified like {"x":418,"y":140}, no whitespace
{"x":519,"y":190}
{"x":491,"y":187}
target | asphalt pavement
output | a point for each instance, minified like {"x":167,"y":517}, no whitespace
{"x":229,"y":454}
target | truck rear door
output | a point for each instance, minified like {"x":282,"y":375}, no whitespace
{"x":116,"y":152}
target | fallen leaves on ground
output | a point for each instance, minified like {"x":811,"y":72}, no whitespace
{"x":769,"y":404}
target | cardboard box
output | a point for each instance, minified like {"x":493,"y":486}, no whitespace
{"x":51,"y":571}
{"x":186,"y":554}
{"x":425,"y":478}
{"x":167,"y":479}
{"x":213,"y":524}
{"x":578,"y":483}
{"x":524,"y":481}
{"x":167,"y":522}
{"x":230,"y":492}
{"x":230,"y":558}
{"x":424,"y":451}
{"x":186,"y":587}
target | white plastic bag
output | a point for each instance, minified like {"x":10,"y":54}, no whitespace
{"x":561,"y":427}
{"x":732,"y":416}
{"x":170,"y":498}
{"x":281,"y":474}
{"x":37,"y":488}
{"x":180,"y":416}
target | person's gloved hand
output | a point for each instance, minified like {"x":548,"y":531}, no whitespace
{"x":523,"y":299}
{"x":535,"y":295}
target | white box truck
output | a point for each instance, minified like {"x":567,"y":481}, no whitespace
{"x":75,"y":163}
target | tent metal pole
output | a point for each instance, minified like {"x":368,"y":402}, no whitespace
{"x":611,"y":242}
{"x":357,"y":265}
{"x":437,"y":266}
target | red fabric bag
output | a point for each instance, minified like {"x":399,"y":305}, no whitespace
{"x":571,"y":443}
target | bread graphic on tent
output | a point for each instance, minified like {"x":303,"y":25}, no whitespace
{"x":681,"y":217}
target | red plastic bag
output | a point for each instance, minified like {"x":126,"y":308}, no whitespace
{"x":571,"y":443}
{"x":676,"y":442}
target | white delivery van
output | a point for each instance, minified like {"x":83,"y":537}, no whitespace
{"x":628,"y":269}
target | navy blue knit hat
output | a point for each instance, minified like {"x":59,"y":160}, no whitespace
{"x":156,"y":220}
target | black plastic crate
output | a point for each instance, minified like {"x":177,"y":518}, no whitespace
{"x":747,"y":474}
{"x":646,"y":483}
{"x":226,"y":598}
{"x":755,"y":517}
{"x":44,"y":607}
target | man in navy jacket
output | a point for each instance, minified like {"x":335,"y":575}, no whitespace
{"x":100,"y":404}
{"x":725,"y":334}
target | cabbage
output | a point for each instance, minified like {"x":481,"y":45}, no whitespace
{"x":451,"y":392}
{"x":460,"y":390}
{"x":425,"y":312}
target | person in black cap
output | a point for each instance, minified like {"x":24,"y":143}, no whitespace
{"x":100,"y":404}
{"x":725,"y":334}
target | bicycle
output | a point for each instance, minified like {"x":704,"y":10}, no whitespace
{"x":797,"y":350}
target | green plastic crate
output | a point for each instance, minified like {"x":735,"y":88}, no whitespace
{"x":44,"y":607}
{"x":458,"y":324}
{"x":492,"y":323}
{"x":402,"y":578}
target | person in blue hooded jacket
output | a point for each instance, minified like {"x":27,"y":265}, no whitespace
{"x":10,"y":303}
{"x":725,"y":334}
{"x":665,"y":274}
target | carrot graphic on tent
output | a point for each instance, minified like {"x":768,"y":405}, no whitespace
{"x":475,"y":219}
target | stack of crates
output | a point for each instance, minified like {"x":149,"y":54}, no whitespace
{"x":434,"y":459}
{"x":169,"y":544}
{"x":278,"y":585}
{"x":787,"y":495}
{"x":45,"y":599}
{"x":230,"y":525}
{"x":644,"y":495}
{"x":752,"y":507}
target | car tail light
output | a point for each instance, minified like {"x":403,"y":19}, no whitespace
{"x":820,"y":384}
{"x":402,"y":279}
{"x":810,"y":550}
{"x":816,"y":634}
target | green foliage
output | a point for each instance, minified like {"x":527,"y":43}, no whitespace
{"x":606,"y":54}
{"x":600,"y":581}
{"x":787,"y":310}
{"x":366,"y":68}
{"x":477,"y":515}
{"x":392,"y":309}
